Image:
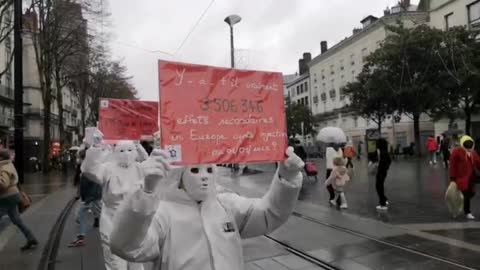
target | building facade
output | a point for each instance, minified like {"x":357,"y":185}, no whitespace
{"x":6,"y":83}
{"x":339,"y":65}
{"x":443,"y":15}
{"x":33,"y":101}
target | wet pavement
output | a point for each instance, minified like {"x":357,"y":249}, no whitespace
{"x":416,"y":232}
{"x":38,"y":186}
{"x":415,"y":191}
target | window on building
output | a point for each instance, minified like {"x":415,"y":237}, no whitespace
{"x":292,"y":92}
{"x":301,"y":88}
{"x":355,"y":122}
{"x":352,"y":59}
{"x":448,"y":21}
{"x":342,"y":93}
{"x":306,"y":101}
{"x":314,"y":77}
{"x":315,"y":99}
{"x":342,"y":67}
{"x":364,"y":54}
{"x":298,"y":90}
{"x":306,"y":86}
{"x":333,"y":94}
{"x":323,"y":97}
{"x":353,"y":75}
{"x":474,"y":14}
{"x":323,"y":74}
{"x":332,"y":69}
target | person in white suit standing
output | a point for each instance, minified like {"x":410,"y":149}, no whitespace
{"x":186,"y":225}
{"x":119,"y":174}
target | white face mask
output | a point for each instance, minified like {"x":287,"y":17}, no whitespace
{"x":198,"y":182}
{"x":125,"y":154}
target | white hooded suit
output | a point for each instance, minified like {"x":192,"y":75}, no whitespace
{"x":119,"y":175}
{"x":180,"y":233}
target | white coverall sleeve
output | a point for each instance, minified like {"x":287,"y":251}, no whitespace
{"x":138,"y":230}
{"x":94,"y":166}
{"x":255,"y":217}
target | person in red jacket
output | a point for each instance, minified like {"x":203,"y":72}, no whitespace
{"x":463,"y":162}
{"x":432,"y":148}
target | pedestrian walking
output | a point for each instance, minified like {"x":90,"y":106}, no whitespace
{"x":338,"y":179}
{"x":350,"y":154}
{"x":432,"y":148}
{"x":445,"y":149}
{"x":359,"y":152}
{"x":384,"y":162}
{"x":464,"y":162}
{"x":299,"y":150}
{"x":10,"y":198}
{"x":187,"y":225}
{"x":90,"y":194}
{"x":333,"y":151}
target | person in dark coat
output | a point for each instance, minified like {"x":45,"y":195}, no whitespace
{"x":384,"y":162}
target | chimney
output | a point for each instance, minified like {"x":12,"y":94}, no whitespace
{"x":357,"y":30}
{"x":307,"y":57}
{"x":302,"y":67}
{"x":387,"y":12}
{"x":323,"y":47}
{"x":368,"y":20}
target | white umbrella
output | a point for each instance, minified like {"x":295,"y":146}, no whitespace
{"x":332,"y":135}
{"x":74,"y":148}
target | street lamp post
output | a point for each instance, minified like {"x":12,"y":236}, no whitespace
{"x":18,"y":106}
{"x":231,"y":21}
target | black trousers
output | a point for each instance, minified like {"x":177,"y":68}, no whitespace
{"x":467,"y":197}
{"x":330,"y":189}
{"x":380,"y":186}
{"x":349,"y":163}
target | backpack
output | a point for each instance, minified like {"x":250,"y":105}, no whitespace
{"x":311,"y":169}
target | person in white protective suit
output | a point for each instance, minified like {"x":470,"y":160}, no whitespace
{"x":186,"y":225}
{"x":119,"y":174}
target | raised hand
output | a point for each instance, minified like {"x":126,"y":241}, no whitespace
{"x":291,"y":168}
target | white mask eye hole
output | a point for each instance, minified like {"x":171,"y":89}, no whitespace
{"x":121,"y":151}
{"x":210,"y":170}
{"x":130,"y":150}
{"x":194,"y":170}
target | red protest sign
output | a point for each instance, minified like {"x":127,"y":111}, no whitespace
{"x":121,"y":119}
{"x":217,"y":115}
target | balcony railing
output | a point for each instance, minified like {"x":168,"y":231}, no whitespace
{"x":6,"y":121}
{"x":6,"y":92}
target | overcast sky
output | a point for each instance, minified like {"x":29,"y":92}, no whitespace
{"x":272,"y":35}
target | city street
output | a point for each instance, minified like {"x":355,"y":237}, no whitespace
{"x":416,"y":232}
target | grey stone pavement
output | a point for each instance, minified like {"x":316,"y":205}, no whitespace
{"x":358,"y":238}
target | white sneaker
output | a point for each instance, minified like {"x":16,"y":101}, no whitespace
{"x":382,"y":208}
{"x":387,"y":203}
{"x":333,"y":203}
{"x":343,"y":206}
{"x":470,"y":216}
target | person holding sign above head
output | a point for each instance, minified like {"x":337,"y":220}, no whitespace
{"x":119,"y":174}
{"x":186,"y":225}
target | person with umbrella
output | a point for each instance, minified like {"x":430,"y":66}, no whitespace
{"x":334,"y":137}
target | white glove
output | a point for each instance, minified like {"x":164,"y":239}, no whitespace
{"x":155,"y":169}
{"x":141,"y":153}
{"x":94,"y":156}
{"x":290,"y":168}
